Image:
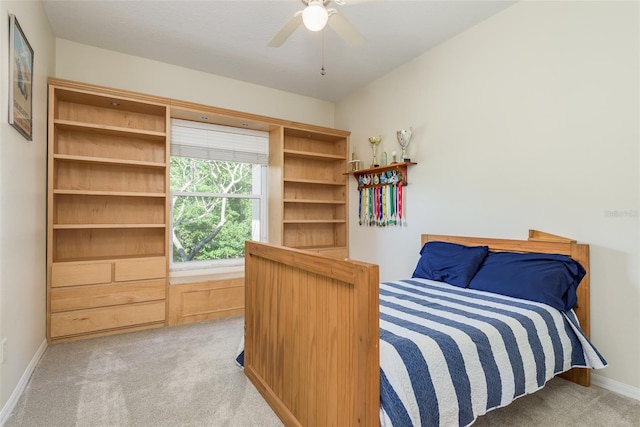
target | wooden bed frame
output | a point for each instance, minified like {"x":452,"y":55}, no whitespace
{"x":312,"y":328}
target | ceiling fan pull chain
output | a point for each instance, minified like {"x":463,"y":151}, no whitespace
{"x":322,"y":71}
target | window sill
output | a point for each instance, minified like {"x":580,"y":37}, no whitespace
{"x":194,"y":276}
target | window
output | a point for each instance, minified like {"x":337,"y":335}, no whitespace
{"x":218,"y":193}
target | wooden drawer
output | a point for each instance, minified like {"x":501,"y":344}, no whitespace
{"x":74,"y":274}
{"x":140,"y":269}
{"x":76,"y":298}
{"x":212,"y":299}
{"x":99,"y":319}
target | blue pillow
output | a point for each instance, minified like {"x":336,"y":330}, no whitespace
{"x":548,"y":278}
{"x":450,"y":262}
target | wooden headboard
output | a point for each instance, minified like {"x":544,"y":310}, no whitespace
{"x":539,"y":241}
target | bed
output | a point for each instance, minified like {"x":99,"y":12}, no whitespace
{"x":322,"y":346}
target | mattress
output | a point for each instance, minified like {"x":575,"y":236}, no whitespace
{"x":450,"y":354}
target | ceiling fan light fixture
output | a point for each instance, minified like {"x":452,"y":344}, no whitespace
{"x":315,"y":15}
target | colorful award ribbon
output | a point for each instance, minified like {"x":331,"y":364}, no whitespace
{"x":381,"y":202}
{"x":400,"y":204}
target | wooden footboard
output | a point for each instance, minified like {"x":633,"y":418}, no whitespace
{"x":310,"y":375}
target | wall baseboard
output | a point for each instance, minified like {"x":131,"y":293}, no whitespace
{"x":22,"y":384}
{"x":615,"y":386}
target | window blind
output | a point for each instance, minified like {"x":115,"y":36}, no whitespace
{"x":214,"y":142}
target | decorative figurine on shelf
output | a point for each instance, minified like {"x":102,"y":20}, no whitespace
{"x":354,"y":163}
{"x":374,"y":141}
{"x":393,"y":157}
{"x":404,"y":137}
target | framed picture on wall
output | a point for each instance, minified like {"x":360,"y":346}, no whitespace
{"x":20,"y":80}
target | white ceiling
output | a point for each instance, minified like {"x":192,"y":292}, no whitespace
{"x":229,"y":38}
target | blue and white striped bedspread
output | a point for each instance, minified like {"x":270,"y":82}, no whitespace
{"x":449,"y":355}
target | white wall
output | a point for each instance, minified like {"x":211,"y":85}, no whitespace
{"x":23,"y":203}
{"x":88,"y":64}
{"x":528,"y":120}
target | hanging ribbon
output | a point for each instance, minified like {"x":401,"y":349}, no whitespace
{"x":384,"y":205}
{"x":379,"y":206}
{"x":374,"y":194}
{"x":390,"y":204}
{"x":371,"y":203}
{"x":360,"y":206}
{"x":400,"y":204}
{"x":381,"y":201}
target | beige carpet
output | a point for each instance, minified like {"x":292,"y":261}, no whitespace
{"x":186,"y":376}
{"x":177,"y":376}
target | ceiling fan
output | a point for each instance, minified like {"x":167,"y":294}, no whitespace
{"x":315,"y":16}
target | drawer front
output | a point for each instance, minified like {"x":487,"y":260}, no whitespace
{"x":99,"y":319}
{"x":74,"y":274}
{"x":212,"y":300}
{"x":140,"y":269}
{"x":76,"y":298}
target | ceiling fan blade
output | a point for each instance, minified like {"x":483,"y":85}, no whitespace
{"x":345,"y":30}
{"x":286,"y":31}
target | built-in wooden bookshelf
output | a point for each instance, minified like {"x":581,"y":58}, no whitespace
{"x":313,"y":189}
{"x":107,"y":211}
{"x":108,"y":219}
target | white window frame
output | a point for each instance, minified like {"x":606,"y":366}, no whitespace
{"x":211,"y":267}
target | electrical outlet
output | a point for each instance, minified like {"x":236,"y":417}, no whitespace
{"x":3,"y":352}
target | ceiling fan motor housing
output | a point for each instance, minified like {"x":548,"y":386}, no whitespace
{"x":315,"y":15}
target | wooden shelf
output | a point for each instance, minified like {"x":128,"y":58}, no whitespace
{"x":110,"y":130}
{"x":90,"y":226}
{"x":122,"y":258}
{"x":104,"y":98}
{"x":313,"y":181}
{"x":311,"y":201}
{"x":314,"y":221}
{"x":109,"y":193}
{"x":312,"y":155}
{"x":321,"y":248}
{"x":105,"y":161}
{"x":91,"y":260}
{"x":400,"y":167}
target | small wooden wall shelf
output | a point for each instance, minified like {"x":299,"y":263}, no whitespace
{"x":399,"y":168}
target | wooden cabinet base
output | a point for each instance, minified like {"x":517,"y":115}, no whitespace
{"x":205,"y":300}
{"x":107,"y":333}
{"x":82,"y":322}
